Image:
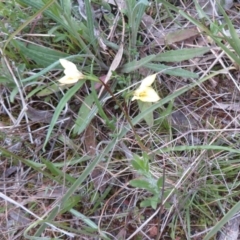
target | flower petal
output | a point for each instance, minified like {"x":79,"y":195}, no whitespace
{"x":70,"y":69}
{"x":72,"y":75}
{"x":148,"y":94}
{"x":68,"y":80}
{"x":147,"y":82}
{"x":68,"y":65}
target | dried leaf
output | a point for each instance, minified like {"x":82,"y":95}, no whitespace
{"x":100,"y":179}
{"x":121,"y":234}
{"x":16,"y":147}
{"x":90,"y":140}
{"x":181,"y":35}
{"x":148,"y":21}
{"x":114,"y":65}
{"x":42,"y":116}
{"x":19,"y":216}
{"x":153,"y":231}
{"x":230,"y":107}
{"x":39,"y":115}
{"x":9,"y":171}
{"x":120,"y":3}
{"x":231,"y":230}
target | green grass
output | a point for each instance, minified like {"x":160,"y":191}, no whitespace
{"x":85,"y":160}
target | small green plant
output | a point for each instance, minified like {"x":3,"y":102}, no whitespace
{"x":148,"y":182}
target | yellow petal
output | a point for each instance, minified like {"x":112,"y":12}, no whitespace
{"x":70,"y":69}
{"x":68,"y":65}
{"x":148,"y":94}
{"x":148,"y":81}
{"x":72,"y":75}
{"x":68,"y":80}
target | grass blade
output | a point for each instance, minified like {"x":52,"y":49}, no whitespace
{"x":181,"y":55}
{"x":60,"y":107}
{"x":41,"y":10}
{"x":233,"y":211}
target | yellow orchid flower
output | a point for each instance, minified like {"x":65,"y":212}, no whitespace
{"x":72,"y":75}
{"x":145,"y":92}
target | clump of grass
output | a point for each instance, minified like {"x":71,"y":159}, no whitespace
{"x":84,"y":160}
